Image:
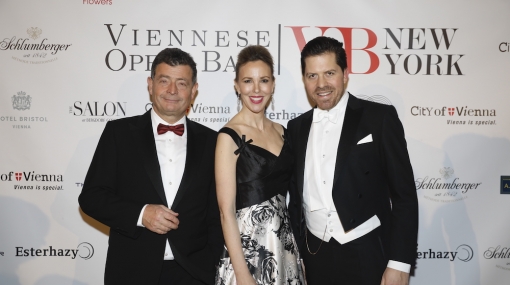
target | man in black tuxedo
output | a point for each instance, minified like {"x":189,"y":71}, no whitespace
{"x":152,"y":182}
{"x":353,"y":205}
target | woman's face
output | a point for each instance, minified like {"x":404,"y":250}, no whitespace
{"x":255,"y":84}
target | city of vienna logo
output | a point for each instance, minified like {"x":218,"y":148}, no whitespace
{"x":446,"y":172}
{"x":34,"y":33}
{"x":21,"y":101}
{"x":18,"y":176}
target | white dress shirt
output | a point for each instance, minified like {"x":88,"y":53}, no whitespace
{"x":171,"y":150}
{"x":320,"y":212}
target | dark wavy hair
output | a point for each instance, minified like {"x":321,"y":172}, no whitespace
{"x":322,"y":45}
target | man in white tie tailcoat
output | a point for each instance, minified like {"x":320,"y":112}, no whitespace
{"x":353,"y":206}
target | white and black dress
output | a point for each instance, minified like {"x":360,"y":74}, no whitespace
{"x":269,"y":247}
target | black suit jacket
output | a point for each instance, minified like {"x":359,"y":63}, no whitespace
{"x":125,"y":175}
{"x":374,"y":178}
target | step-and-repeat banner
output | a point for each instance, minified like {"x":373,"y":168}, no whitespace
{"x":68,"y":67}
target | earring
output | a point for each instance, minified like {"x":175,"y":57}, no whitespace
{"x":238,"y":103}
{"x":272,"y":102}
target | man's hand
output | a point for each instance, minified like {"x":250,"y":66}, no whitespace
{"x":394,"y":277}
{"x":159,"y":219}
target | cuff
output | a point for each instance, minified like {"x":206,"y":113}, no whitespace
{"x":399,"y":266}
{"x":139,"y":223}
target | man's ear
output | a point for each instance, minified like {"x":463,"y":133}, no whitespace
{"x":194,"y":91}
{"x":346,"y":75}
{"x":149,"y":86}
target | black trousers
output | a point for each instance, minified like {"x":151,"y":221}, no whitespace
{"x":173,"y":274}
{"x":358,"y":262}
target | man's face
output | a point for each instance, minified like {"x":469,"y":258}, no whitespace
{"x":172,"y":91}
{"x":324,"y":80}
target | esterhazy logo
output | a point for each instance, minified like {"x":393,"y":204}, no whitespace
{"x":32,"y":49}
{"x":438,"y":190}
{"x":96,"y":111}
{"x":21,"y":101}
{"x":499,"y":253}
{"x":463,"y":252}
{"x":84,"y":250}
{"x":462,"y":115}
{"x":285,"y":116}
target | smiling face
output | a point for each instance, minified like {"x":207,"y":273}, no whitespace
{"x":255,"y":84}
{"x":172,"y":91}
{"x":324,"y":80}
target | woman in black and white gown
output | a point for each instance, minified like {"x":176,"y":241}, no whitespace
{"x":253,"y":168}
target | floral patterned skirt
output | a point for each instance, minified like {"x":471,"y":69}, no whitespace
{"x":269,"y":247}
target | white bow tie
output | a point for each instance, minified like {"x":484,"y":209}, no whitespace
{"x":331,"y":115}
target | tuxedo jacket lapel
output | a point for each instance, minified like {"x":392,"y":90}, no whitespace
{"x":144,"y":137}
{"x":193,"y":154}
{"x":301,"y":149}
{"x":352,"y":118}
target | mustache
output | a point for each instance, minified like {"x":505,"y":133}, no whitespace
{"x":323,"y":89}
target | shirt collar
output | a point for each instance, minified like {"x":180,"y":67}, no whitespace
{"x":333,"y":113}
{"x":156,"y":120}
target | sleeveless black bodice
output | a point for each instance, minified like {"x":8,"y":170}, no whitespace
{"x":260,"y":174}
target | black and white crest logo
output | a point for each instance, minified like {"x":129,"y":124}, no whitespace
{"x":375,"y":98}
{"x":21,"y":101}
{"x":446,"y":172}
{"x":34,"y":33}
